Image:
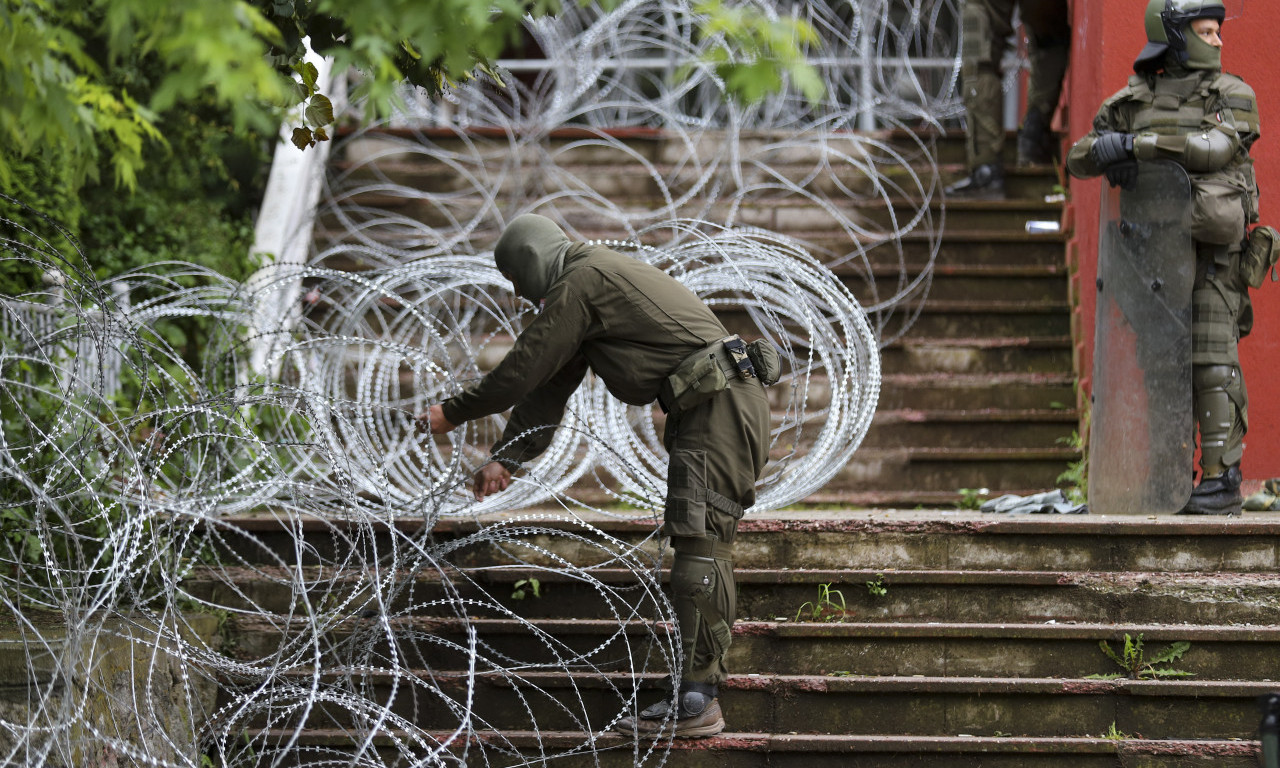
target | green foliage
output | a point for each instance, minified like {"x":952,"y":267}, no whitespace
{"x":1075,"y":480}
{"x":879,"y":587}
{"x":61,"y":60}
{"x":526,"y":587}
{"x":1133,"y":660}
{"x":756,"y":53}
{"x":830,"y":606}
{"x":1115,"y":734}
{"x":972,"y":498}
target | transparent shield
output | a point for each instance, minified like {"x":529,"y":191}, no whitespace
{"x":1141,"y":440}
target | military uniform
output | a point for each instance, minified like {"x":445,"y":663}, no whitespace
{"x":632,"y":325}
{"x":1205,"y":120}
{"x":986,"y":27}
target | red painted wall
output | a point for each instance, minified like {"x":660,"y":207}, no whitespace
{"x":1108,"y":35}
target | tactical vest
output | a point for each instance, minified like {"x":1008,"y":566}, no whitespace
{"x":1176,"y":106}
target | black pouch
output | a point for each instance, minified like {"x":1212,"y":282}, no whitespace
{"x":766,"y":360}
{"x":686,"y":507}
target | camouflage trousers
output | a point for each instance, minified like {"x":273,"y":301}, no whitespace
{"x":986,"y":26}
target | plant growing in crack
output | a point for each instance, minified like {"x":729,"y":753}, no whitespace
{"x":1132,"y":658}
{"x":878,"y":587}
{"x":1115,"y":734}
{"x":525,"y":587}
{"x":971,"y":498}
{"x":830,"y":605}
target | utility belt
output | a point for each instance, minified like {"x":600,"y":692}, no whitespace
{"x":707,"y":372}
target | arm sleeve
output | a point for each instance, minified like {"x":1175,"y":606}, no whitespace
{"x":540,"y":411}
{"x":1079,"y":161}
{"x":545,"y":347}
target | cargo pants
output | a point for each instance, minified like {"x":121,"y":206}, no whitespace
{"x":717,"y":451}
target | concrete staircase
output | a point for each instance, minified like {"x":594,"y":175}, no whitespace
{"x":944,"y":639}
{"x":978,"y":393}
{"x":873,"y":638}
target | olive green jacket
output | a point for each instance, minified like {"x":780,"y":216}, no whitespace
{"x":627,"y":321}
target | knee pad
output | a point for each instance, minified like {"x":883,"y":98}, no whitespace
{"x":1215,"y":414}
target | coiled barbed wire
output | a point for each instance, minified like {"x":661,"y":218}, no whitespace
{"x":171,"y":533}
{"x":611,"y":134}
{"x":260,"y":567}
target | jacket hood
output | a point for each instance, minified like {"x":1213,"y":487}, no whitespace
{"x":531,"y":250}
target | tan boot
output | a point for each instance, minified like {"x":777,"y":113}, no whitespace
{"x":699,"y":717}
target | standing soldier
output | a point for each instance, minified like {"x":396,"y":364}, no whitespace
{"x":647,"y":337}
{"x":1181,"y":107}
{"x":985,"y":29}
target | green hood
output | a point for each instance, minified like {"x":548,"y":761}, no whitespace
{"x":531,"y":251}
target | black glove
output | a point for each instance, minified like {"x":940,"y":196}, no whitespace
{"x":1123,"y":174}
{"x":1111,"y":148}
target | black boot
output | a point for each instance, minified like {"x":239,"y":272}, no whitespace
{"x":1035,"y":141}
{"x":1218,"y":495}
{"x":985,"y":183}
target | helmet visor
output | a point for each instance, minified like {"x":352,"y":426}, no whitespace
{"x":1190,"y":9}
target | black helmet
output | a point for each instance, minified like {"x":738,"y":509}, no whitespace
{"x":1166,"y":22}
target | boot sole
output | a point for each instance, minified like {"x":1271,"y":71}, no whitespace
{"x":701,"y":732}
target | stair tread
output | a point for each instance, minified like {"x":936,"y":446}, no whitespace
{"x":892,"y":629}
{"x":805,"y":742}
{"x":842,"y":683}
{"x":754,"y":575}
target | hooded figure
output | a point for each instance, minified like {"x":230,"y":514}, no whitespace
{"x":531,"y":254}
{"x":640,"y":331}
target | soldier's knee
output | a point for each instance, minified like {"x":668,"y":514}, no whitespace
{"x":1211,"y":378}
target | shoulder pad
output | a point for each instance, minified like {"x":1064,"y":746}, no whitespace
{"x":1138,"y":89}
{"x":1239,"y":98}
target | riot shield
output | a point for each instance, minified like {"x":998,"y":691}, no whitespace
{"x":1142,"y":440}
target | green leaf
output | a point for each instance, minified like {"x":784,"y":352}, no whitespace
{"x":1172,"y":653}
{"x":302,"y":138}
{"x":319,"y":111}
{"x":309,"y":74}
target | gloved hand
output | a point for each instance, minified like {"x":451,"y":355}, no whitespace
{"x":1123,"y":174}
{"x":1111,"y":148}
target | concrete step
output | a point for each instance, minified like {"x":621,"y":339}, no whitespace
{"x":790,"y":215}
{"x":837,"y":704}
{"x":926,"y":392}
{"x":896,"y":648}
{"x":975,"y":355}
{"x":785,"y":750}
{"x":947,"y":471}
{"x":853,"y":595}
{"x":972,"y":429}
{"x":859,"y":540}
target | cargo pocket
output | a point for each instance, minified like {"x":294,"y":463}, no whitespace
{"x":686,"y":509}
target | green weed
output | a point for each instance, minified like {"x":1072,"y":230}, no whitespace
{"x":525,"y":587}
{"x":1133,"y":660}
{"x":830,"y":605}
